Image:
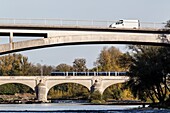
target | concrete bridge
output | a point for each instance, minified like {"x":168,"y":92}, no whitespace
{"x":42,"y":84}
{"x":60,"y":35}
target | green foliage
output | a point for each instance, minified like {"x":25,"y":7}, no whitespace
{"x":125,"y":61}
{"x":113,"y":92}
{"x":96,"y":98}
{"x":108,"y":60}
{"x":79,"y":65}
{"x":1,"y":99}
{"x":64,"y":68}
{"x":11,"y":89}
{"x":149,"y":72}
{"x":8,"y":89}
{"x":167,"y":24}
{"x":96,"y":95}
{"x":14,"y":65}
{"x":108,"y":94}
{"x":69,"y":91}
{"x":23,"y":88}
{"x":118,"y":92}
{"x":47,"y":69}
{"x":97,"y":101}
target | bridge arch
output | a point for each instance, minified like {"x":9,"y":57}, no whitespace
{"x":71,"y":85}
{"x":106,"y":84}
{"x":109,"y":37}
{"x":85,"y":84}
{"x":18,"y":82}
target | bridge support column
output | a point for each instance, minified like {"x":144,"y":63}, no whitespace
{"x":41,"y":92}
{"x":97,"y":86}
{"x":11,"y":41}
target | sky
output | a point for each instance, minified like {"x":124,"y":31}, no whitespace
{"x":143,"y":10}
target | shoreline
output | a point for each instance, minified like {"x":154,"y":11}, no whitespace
{"x":144,"y":105}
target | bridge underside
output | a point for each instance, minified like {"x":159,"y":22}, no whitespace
{"x":100,"y":38}
{"x":25,"y":34}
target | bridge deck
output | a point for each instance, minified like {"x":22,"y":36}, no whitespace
{"x":80,"y":28}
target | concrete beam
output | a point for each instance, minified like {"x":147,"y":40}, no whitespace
{"x":11,"y":40}
{"x":86,"y":39}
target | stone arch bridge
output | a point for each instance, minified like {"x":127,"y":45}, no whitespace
{"x":42,"y":84}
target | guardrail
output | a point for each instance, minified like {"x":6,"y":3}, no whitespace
{"x":64,"y":22}
{"x":71,"y":73}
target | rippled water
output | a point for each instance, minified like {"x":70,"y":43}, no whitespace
{"x":73,"y":108}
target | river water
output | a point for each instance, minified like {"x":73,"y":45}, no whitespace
{"x":74,"y":108}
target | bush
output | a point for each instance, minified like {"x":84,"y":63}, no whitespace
{"x":1,"y":99}
{"x":97,"y":101}
{"x":96,"y":95}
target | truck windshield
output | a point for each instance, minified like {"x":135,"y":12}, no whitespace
{"x":119,"y":22}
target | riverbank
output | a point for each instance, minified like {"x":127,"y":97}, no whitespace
{"x":28,"y":98}
{"x":165,"y":105}
{"x":17,"y":98}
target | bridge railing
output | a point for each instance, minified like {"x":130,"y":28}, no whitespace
{"x":64,"y":22}
{"x":71,"y":73}
{"x":89,"y":73}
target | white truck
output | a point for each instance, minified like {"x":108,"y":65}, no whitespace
{"x":134,"y":24}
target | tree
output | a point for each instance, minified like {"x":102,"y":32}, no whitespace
{"x":79,"y":65}
{"x":108,"y":59}
{"x":5,"y":65}
{"x":69,"y":91}
{"x":14,"y":65}
{"x":96,"y":95}
{"x":25,"y":65}
{"x":47,"y":69}
{"x":64,"y":67}
{"x":167,"y":23}
{"x":125,"y":60}
{"x":35,"y":70}
{"x":149,"y":71}
{"x":8,"y":89}
{"x":13,"y":88}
